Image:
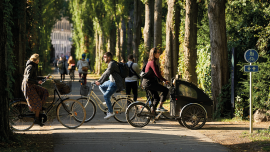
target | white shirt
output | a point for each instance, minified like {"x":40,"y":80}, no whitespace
{"x":135,"y":68}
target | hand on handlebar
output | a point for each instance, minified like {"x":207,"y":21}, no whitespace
{"x":97,"y":83}
{"x":39,"y":82}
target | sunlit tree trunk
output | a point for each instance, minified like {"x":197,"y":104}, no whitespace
{"x":158,"y":24}
{"x":148,"y":31}
{"x":191,"y":40}
{"x":97,"y":53}
{"x":130,"y":32}
{"x":123,"y":40}
{"x":101,"y":50}
{"x":172,"y":39}
{"x":218,"y":40}
{"x":118,"y":46}
{"x":136,"y":28}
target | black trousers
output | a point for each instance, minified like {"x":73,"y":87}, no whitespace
{"x":153,"y":87}
{"x":134,"y":87}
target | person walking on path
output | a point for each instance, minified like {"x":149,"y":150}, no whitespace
{"x":71,"y":67}
{"x":132,"y":80}
{"x":35,"y":95}
{"x":63,"y":68}
{"x":151,"y":82}
{"x":114,"y":84}
{"x":83,"y":67}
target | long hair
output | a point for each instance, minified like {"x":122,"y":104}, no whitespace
{"x":152,"y":53}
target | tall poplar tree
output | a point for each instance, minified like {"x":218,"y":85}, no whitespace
{"x":218,"y":41}
{"x":172,"y":39}
{"x":190,"y":49}
{"x":136,"y":28}
{"x":158,"y":24}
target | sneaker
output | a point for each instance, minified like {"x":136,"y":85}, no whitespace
{"x":109,"y":115}
{"x":104,"y":103}
{"x":162,"y":109}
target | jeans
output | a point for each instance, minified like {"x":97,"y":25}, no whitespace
{"x":108,"y":88}
{"x":134,"y":87}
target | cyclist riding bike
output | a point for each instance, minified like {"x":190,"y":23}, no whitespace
{"x":151,"y":82}
{"x":35,"y":95}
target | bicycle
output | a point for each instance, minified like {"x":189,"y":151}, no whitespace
{"x":70,"y":113}
{"x":191,"y":113}
{"x":119,"y":105}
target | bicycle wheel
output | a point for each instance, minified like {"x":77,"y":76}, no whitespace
{"x":193,"y":117}
{"x":71,"y":113}
{"x":119,"y":108}
{"x":17,"y":116}
{"x":89,"y":107}
{"x":138,"y":115}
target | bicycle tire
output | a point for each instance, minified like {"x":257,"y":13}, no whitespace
{"x":193,"y":117}
{"x":89,"y":107}
{"x":16,"y":120}
{"x":69,"y":112}
{"x":133,"y":115}
{"x":119,"y":108}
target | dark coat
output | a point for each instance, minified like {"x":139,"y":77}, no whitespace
{"x":64,"y":70}
{"x":30,"y":73}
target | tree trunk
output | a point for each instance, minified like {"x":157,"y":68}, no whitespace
{"x":5,"y":131}
{"x":218,"y":40}
{"x":172,"y":40}
{"x":97,"y":54}
{"x":123,"y":39}
{"x":112,"y":39}
{"x":158,"y":24}
{"x":148,"y":27}
{"x":136,"y":29}
{"x":130,"y":33}
{"x":118,"y":46}
{"x":101,"y":50}
{"x":191,"y":41}
{"x":19,"y":46}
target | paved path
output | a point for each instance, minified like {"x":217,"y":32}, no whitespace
{"x":109,"y":135}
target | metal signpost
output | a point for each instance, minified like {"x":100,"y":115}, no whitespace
{"x":251,"y":56}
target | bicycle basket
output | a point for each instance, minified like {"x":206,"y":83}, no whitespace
{"x":84,"y":90}
{"x":63,"y":87}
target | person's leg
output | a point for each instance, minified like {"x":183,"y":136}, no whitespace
{"x":156,"y":98}
{"x":164,"y":92}
{"x":128,"y":88}
{"x":64,"y":77}
{"x":80,"y":76}
{"x":104,"y":87}
{"x":107,"y":96}
{"x":135,"y":90}
{"x":84,"y":77}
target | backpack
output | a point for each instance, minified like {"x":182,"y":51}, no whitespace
{"x":144,"y":74}
{"x":124,"y":70}
{"x":132,"y":72}
{"x":60,"y":65}
{"x":84,"y":68}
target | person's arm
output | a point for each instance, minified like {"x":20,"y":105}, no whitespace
{"x":78,"y":64}
{"x":136,"y":68}
{"x":30,"y":72}
{"x":107,"y":73}
{"x":156,"y":71}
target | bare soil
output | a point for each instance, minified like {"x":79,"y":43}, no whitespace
{"x":232,"y":135}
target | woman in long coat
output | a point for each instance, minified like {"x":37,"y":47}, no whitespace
{"x":35,"y":95}
{"x":64,"y":70}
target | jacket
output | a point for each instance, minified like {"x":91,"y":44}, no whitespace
{"x":82,"y":63}
{"x":114,"y":71}
{"x":30,"y":73}
{"x":63,"y":70}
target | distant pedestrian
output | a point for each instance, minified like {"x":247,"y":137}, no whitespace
{"x":63,"y":68}
{"x":83,"y":67}
{"x":71,"y":67}
{"x":132,"y":80}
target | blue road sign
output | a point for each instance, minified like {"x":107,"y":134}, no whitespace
{"x":251,"y":68}
{"x":251,"y":56}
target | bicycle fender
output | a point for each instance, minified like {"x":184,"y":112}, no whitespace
{"x":192,"y":104}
